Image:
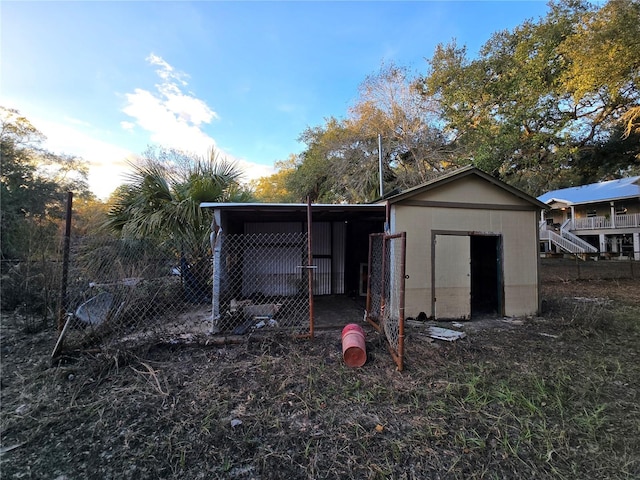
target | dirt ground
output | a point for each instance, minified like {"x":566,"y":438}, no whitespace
{"x":552,"y":396}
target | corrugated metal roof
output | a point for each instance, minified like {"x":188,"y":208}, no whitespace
{"x":595,"y":192}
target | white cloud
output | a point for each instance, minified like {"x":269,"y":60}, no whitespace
{"x":174,"y":117}
{"x":107,"y":162}
{"x":166,"y":71}
{"x":253,"y":171}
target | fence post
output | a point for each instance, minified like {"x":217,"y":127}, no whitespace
{"x":62,"y":308}
{"x":310,"y":269}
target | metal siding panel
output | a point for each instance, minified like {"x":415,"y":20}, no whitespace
{"x":321,"y":240}
{"x":272,"y":272}
{"x":338,"y":256}
{"x":322,"y":276}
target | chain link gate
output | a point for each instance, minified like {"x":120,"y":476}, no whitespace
{"x":385,"y":290}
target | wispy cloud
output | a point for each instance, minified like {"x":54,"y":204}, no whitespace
{"x":173,"y":116}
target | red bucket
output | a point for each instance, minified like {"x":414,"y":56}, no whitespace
{"x":353,"y":346}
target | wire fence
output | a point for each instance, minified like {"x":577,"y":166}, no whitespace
{"x":123,"y":292}
{"x":386,"y":290}
{"x":261,"y":280}
{"x":30,"y":290}
{"x":129,"y":291}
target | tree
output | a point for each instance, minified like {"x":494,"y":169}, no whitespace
{"x":162,"y":196}
{"x":603,"y":57}
{"x":390,"y":105}
{"x":522,"y":110}
{"x":161,"y":202}
{"x":33,"y":183}
{"x":274,"y":187}
{"x":342,"y":160}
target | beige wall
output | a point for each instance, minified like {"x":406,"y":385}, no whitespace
{"x":471,"y":189}
{"x":518,"y":229}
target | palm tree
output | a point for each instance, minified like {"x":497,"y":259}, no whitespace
{"x":160,"y":201}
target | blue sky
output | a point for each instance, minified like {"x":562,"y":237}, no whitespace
{"x":103,"y":80}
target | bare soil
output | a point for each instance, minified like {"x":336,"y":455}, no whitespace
{"x":553,"y":396}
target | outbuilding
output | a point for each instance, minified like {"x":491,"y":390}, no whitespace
{"x":471,"y":247}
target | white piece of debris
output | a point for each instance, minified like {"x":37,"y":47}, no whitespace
{"x":548,"y":335}
{"x":445,"y":334}
{"x":235,"y":422}
{"x":512,"y":321}
{"x":4,"y":450}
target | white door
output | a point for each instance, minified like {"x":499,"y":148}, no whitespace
{"x":452,"y":286}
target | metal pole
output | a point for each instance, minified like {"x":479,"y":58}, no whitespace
{"x":309,"y":265}
{"x":62,"y":308}
{"x":403,"y":272}
{"x":380,"y":165}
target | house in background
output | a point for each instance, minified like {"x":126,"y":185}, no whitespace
{"x":599,"y":219}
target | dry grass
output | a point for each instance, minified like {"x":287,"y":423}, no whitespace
{"x":554,"y":397}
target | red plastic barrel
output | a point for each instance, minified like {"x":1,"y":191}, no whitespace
{"x":353,"y":347}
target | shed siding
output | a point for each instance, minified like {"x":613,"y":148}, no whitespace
{"x":471,"y":190}
{"x":520,"y":254}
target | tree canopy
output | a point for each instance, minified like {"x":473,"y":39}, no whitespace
{"x":162,"y":195}
{"x":551,"y":103}
{"x":540,"y":101}
{"x":33,"y":184}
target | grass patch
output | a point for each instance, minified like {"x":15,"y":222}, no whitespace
{"x":556,"y":397}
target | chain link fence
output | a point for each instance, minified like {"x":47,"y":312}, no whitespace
{"x":385,"y":292}
{"x":261,"y":280}
{"x":123,"y":292}
{"x":29,"y":290}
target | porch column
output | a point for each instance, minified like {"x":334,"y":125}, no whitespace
{"x":613,"y":215}
{"x":603,"y":243}
{"x":636,"y":246}
{"x":573,"y":215}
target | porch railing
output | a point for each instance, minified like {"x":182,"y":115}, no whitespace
{"x":565,"y":243}
{"x":597,"y":223}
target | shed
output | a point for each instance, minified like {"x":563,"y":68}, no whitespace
{"x":472,"y":247}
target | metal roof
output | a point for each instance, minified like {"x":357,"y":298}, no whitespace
{"x":595,"y":192}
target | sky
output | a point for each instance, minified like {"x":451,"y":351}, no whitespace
{"x":105,"y":80}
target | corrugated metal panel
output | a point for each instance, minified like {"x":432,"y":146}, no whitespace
{"x":322,"y":276}
{"x":271,"y":271}
{"x":321,"y":239}
{"x":272,"y":227}
{"x":338,"y":256}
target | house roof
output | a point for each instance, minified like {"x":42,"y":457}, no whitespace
{"x":595,"y":192}
{"x":461,"y":173}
